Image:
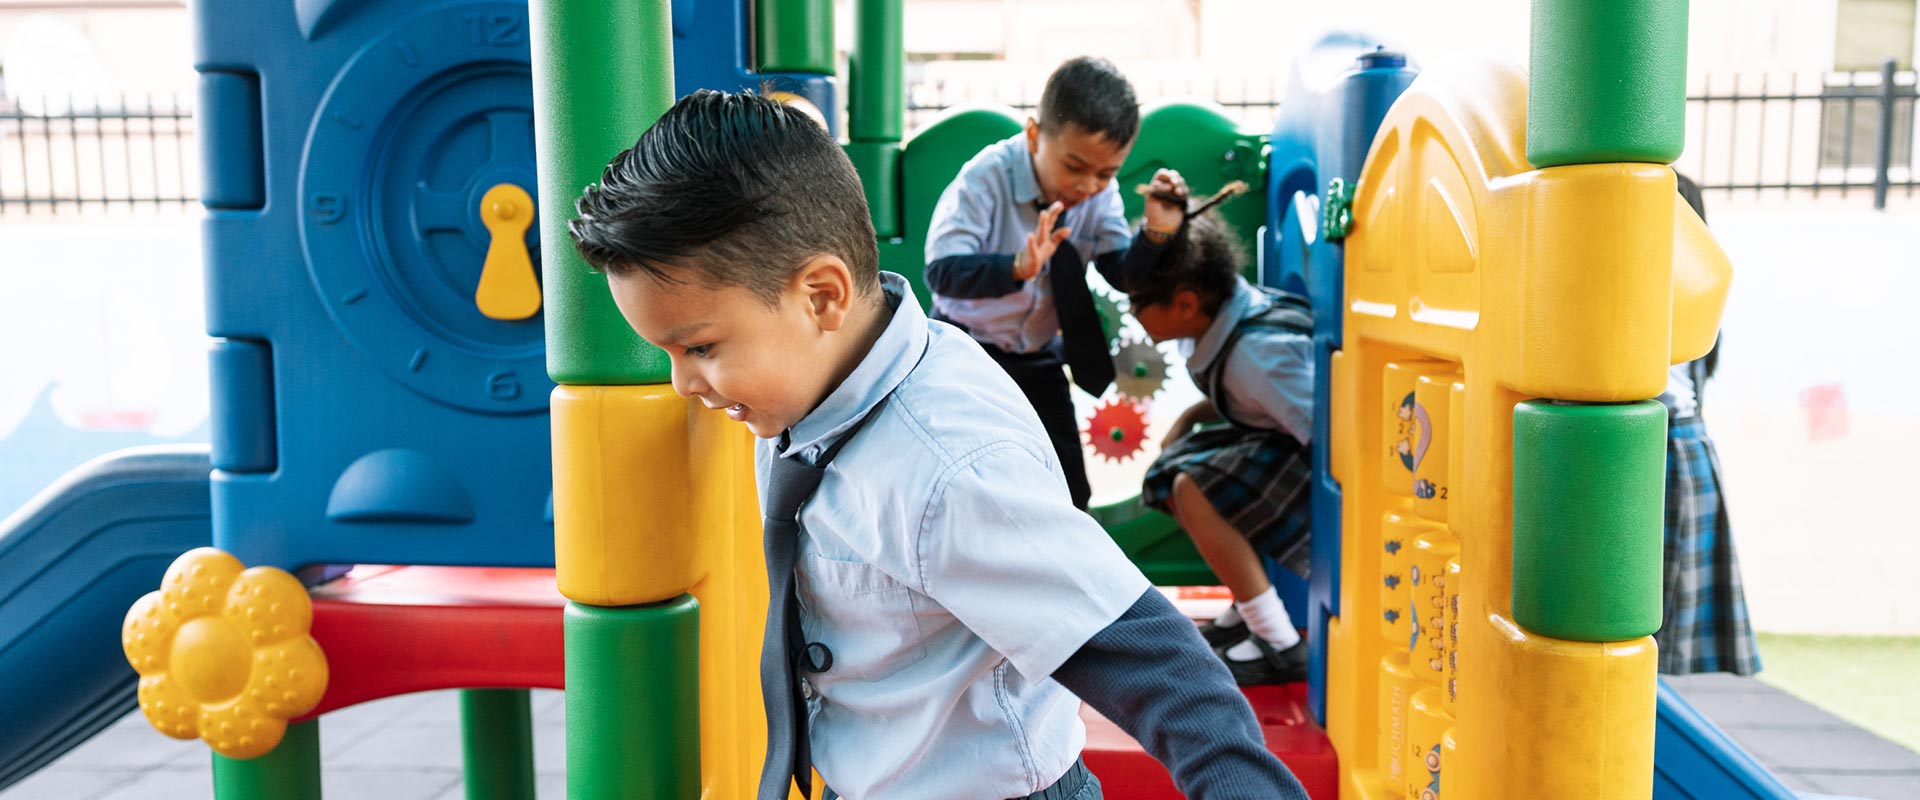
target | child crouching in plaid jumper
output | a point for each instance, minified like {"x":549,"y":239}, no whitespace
{"x":1239,"y":490}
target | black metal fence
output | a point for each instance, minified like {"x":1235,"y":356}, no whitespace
{"x":1830,"y":134}
{"x":1252,"y":102}
{"x":63,"y":154}
{"x":1839,"y":134}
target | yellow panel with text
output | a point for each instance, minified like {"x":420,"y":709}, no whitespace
{"x":1499,"y":283}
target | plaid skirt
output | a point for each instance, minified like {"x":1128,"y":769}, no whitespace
{"x":1258,"y":480}
{"x":1705,"y":625}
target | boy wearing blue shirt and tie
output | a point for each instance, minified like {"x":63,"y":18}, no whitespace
{"x":1008,"y":247}
{"x":922,"y":642}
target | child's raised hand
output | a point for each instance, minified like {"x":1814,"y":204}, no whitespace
{"x":1166,"y":201}
{"x":1040,"y":244}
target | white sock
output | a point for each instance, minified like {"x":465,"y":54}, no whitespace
{"x":1229,"y":617}
{"x":1266,"y":618}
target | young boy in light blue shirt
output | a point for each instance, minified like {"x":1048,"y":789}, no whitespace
{"x":1008,"y":247}
{"x":924,"y":642}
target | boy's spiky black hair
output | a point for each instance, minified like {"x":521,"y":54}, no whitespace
{"x":1091,"y":94}
{"x":735,"y":189}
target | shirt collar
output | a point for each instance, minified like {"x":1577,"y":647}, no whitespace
{"x":892,"y":357}
{"x":1236,"y":308}
{"x":1019,"y":162}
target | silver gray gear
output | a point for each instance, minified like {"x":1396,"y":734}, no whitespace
{"x":1139,"y":370}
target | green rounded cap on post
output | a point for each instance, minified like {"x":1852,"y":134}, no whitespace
{"x":1589,"y":490}
{"x":632,"y":672}
{"x":1608,"y":82}
{"x":794,"y":36}
{"x":602,"y":73}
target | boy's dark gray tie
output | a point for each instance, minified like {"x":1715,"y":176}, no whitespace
{"x":1085,"y":343}
{"x":790,"y":481}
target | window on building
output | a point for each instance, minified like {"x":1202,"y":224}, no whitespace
{"x":1866,"y":33}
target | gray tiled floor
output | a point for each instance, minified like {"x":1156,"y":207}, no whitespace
{"x":400,"y":748}
{"x":408,"y":748}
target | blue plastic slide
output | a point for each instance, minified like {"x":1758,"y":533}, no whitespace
{"x":1694,"y":760}
{"x":72,"y":560}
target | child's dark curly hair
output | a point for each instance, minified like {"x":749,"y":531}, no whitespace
{"x":1203,"y":257}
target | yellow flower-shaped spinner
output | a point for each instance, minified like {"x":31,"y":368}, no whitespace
{"x":224,"y":654}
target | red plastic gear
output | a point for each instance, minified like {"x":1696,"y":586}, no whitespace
{"x":1117,"y":430}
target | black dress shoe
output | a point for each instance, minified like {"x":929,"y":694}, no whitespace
{"x":1272,"y":667}
{"x":1217,"y":634}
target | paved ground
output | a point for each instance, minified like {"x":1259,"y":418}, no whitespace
{"x":408,"y":748}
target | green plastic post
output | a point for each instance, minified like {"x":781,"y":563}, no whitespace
{"x":794,"y":36}
{"x":879,"y":166}
{"x":1609,"y":82}
{"x":1589,"y":488}
{"x":633,"y":701}
{"x":290,"y":772}
{"x":496,"y":727}
{"x":876,"y":69}
{"x":602,"y":73}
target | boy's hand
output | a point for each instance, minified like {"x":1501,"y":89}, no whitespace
{"x":1040,"y":244}
{"x":1164,"y":215}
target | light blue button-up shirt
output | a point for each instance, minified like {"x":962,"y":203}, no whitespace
{"x":945,"y":567}
{"x":1269,"y":374}
{"x":989,"y":208}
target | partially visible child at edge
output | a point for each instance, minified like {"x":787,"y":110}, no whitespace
{"x":1704,"y":624}
{"x":943,"y":641}
{"x":1010,"y":239}
{"x":1241,"y":489}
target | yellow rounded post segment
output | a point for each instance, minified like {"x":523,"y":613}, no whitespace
{"x":508,"y":289}
{"x":1475,"y":282}
{"x":653,"y":498}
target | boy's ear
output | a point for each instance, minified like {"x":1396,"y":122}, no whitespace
{"x":1033,"y":135}
{"x":825,"y":284}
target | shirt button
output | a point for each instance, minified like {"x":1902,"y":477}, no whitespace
{"x":806,"y":689}
{"x":813,"y":453}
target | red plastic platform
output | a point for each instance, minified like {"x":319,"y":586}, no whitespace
{"x":1127,"y":771}
{"x":394,"y":630}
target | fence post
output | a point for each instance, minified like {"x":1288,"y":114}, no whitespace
{"x":1883,"y":157}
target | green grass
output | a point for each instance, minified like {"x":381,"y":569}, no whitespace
{"x":1871,"y":681}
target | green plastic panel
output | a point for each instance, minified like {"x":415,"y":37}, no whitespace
{"x":602,"y":73}
{"x":1209,"y":150}
{"x":1609,"y":82}
{"x":1155,"y":544}
{"x":876,"y":67}
{"x":290,"y":772}
{"x":496,"y":733}
{"x":794,"y":36}
{"x":879,"y":166}
{"x":633,"y":701}
{"x":1589,"y":490}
